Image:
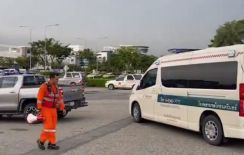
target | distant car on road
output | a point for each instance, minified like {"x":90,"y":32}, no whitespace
{"x":123,"y":82}
{"x":72,"y":78}
{"x":10,"y":71}
{"x":108,"y":75}
{"x":94,"y":75}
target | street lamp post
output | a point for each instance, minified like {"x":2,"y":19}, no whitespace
{"x":45,"y":35}
{"x":30,"y":29}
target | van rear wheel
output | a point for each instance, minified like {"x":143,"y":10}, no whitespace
{"x":136,"y":113}
{"x":212,"y":130}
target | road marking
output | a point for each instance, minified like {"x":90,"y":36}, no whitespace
{"x":81,"y":139}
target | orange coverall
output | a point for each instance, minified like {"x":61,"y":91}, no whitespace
{"x":49,"y":113}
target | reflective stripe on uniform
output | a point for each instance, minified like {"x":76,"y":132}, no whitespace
{"x":49,"y":130}
{"x":39,"y":102}
{"x":47,"y":99}
{"x":53,"y":95}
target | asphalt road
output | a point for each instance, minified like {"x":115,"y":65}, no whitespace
{"x":104,"y":128}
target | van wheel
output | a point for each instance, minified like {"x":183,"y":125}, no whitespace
{"x":30,"y":108}
{"x":110,"y":87}
{"x":212,"y":130}
{"x":136,"y":113}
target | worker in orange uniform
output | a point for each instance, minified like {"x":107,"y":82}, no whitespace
{"x":49,"y":99}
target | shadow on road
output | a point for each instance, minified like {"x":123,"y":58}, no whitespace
{"x":12,"y":119}
{"x":175,"y":131}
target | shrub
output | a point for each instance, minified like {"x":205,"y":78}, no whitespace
{"x":96,"y":82}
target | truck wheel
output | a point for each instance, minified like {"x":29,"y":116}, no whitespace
{"x":62,"y":114}
{"x":110,"y":86}
{"x":212,"y":130}
{"x":30,"y":108}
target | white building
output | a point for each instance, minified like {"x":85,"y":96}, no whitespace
{"x":74,"y":59}
{"x":15,"y":52}
{"x":76,"y":49}
{"x":109,"y":48}
{"x":103,"y":56}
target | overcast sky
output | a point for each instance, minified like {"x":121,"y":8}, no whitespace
{"x":160,"y":24}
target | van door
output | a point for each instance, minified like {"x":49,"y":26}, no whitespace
{"x":170,"y":108}
{"x":147,"y":93}
{"x":8,"y":94}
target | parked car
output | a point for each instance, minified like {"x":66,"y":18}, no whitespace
{"x":123,"y":81}
{"x":10,"y":71}
{"x":72,"y":78}
{"x":94,"y":75}
{"x":108,"y":75}
{"x":18,"y":95}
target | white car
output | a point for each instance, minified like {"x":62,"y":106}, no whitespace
{"x":123,"y":81}
{"x":72,"y":78}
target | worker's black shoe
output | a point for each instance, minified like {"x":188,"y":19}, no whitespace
{"x":52,"y":147}
{"x":40,"y":145}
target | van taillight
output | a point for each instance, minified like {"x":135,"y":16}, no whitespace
{"x":241,"y":106}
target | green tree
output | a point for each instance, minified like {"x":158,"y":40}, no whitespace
{"x":6,"y":62}
{"x":56,"y":51}
{"x":130,"y":58}
{"x":24,"y":62}
{"x":90,"y":56}
{"x":230,"y":33}
{"x":146,"y":61}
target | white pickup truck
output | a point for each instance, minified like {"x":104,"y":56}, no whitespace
{"x":18,"y":95}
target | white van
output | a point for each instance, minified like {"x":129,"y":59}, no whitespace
{"x":199,"y":90}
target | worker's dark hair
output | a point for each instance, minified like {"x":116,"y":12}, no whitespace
{"x":52,"y":75}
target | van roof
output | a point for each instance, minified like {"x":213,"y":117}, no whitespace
{"x":239,"y":49}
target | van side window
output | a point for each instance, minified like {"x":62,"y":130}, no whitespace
{"x":221,"y":75}
{"x":149,"y":79}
